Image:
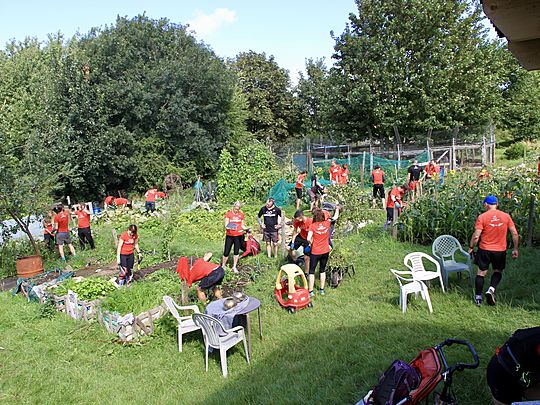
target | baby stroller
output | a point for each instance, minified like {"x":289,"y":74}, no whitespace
{"x":250,"y":246}
{"x":410,"y":383}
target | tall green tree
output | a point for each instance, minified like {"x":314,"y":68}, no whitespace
{"x":267,"y":88}
{"x":415,"y":65}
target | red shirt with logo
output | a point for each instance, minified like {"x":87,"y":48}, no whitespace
{"x":320,"y":243}
{"x":343,"y":176}
{"x":151,"y":195}
{"x":334,"y":172}
{"x":235,"y":219}
{"x":303,"y":226}
{"x":62,"y":219}
{"x":378,"y":175}
{"x":300,"y":180}
{"x":120,"y":201}
{"x":494,"y":225}
{"x":397,"y":194}
{"x":129,"y":243}
{"x":83,"y":219}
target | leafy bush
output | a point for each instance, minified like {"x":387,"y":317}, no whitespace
{"x":515,"y":151}
{"x":246,"y":174}
{"x":87,"y":290}
{"x":143,"y":295}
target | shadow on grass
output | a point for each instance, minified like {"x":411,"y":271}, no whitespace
{"x":339,"y":366}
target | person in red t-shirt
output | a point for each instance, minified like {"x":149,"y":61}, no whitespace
{"x":83,"y":226}
{"x":299,"y":187}
{"x":234,"y":235}
{"x":377,"y":176}
{"x":334,"y":172}
{"x":48,"y":233}
{"x":61,"y":227}
{"x":121,"y":202}
{"x":319,"y":238}
{"x":395,"y":200}
{"x":344,"y":174}
{"x":301,"y":226}
{"x":209,"y":274}
{"x":491,"y":229}
{"x":150,"y":204}
{"x":127,"y":243}
{"x":108,"y":202}
{"x":431,"y":170}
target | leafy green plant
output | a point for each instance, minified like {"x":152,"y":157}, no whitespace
{"x":87,"y":290}
{"x":515,"y":151}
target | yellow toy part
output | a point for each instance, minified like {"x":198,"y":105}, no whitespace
{"x":291,"y":271}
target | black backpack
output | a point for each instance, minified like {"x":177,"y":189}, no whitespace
{"x":395,"y":384}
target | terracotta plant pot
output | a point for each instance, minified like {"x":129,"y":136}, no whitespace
{"x":29,"y":266}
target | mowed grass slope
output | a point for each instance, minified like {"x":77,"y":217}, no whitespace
{"x":331,"y":353}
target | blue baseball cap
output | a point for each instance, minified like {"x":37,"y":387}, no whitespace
{"x":490,"y":200}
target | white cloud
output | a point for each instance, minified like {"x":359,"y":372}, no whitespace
{"x":206,"y":24}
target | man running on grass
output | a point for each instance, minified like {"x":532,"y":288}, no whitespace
{"x":491,"y":229}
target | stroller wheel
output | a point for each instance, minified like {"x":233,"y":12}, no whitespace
{"x":291,"y":310}
{"x":310,"y":305}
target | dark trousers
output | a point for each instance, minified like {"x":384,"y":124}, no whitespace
{"x":49,"y":240}
{"x":85,"y":236}
{"x":150,"y":206}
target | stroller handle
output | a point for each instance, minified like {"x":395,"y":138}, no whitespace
{"x":458,"y":366}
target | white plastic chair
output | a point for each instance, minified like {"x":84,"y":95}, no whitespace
{"x":408,"y":285}
{"x":217,"y":337}
{"x":414,"y":262}
{"x":444,"y":249}
{"x":185,"y":323}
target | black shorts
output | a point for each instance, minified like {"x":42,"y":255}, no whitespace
{"x":483,"y":258}
{"x":213,"y":279}
{"x":504,"y":386}
{"x":378,"y":190}
{"x":299,"y":193}
{"x":315,"y":259}
{"x":270,"y":236}
{"x":299,"y":241}
{"x":230,"y":241}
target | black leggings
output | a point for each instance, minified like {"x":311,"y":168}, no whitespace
{"x":85,"y":236}
{"x":127,"y":261}
{"x":230,"y":241}
{"x":314,"y":259}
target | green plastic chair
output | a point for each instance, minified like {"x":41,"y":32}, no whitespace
{"x":444,"y":249}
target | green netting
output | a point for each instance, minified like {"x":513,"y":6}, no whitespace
{"x":395,"y":169}
{"x":283,"y":193}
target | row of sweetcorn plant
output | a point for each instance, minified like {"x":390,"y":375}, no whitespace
{"x":452,"y":208}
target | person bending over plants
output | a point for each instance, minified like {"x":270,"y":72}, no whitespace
{"x":234,"y":235}
{"x":209,"y":275}
{"x":301,"y":226}
{"x":127,"y":243}
{"x":395,"y":200}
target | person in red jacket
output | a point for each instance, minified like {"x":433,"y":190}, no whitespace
{"x":48,"y":233}
{"x":319,"y":238}
{"x":127,"y":243}
{"x":208,"y":274}
{"x":121,"y":202}
{"x":334,"y":172}
{"x":150,"y":204}
{"x":395,"y":200}
{"x":83,"y":226}
{"x":344,"y":174}
{"x":61,"y":227}
{"x":234,"y":235}
{"x":108,"y":202}
{"x":377,"y":176}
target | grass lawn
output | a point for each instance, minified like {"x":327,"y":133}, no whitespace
{"x":329,"y":354}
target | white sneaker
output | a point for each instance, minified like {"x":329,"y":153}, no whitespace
{"x":235,"y":270}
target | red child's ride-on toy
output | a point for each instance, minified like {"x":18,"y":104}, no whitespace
{"x":289,"y":294}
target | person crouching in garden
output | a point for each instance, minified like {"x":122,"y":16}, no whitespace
{"x":83,"y":226}
{"x":61,"y":227}
{"x":234,"y":235}
{"x":210,"y":275}
{"x":319,"y":238}
{"x":127,"y":243}
{"x":270,"y":224}
{"x":395,"y":200}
